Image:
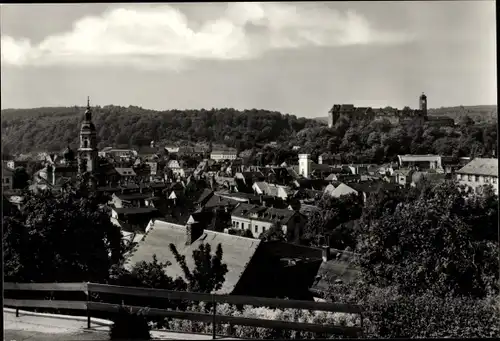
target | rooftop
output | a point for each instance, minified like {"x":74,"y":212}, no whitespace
{"x":262,"y":213}
{"x":481,"y":166}
{"x":237,"y":251}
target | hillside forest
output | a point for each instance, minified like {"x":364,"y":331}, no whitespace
{"x":368,"y":141}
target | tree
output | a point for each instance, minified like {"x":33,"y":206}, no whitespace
{"x":274,"y":233}
{"x":20,"y":178}
{"x":61,"y":237}
{"x":209,"y":272}
{"x":428,"y":243}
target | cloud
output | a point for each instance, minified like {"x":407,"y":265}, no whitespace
{"x":163,"y":37}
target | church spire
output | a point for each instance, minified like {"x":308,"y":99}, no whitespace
{"x":88,"y":112}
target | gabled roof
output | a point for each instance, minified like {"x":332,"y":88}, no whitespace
{"x":237,"y":252}
{"x":204,"y":196}
{"x":341,"y":190}
{"x":262,"y":213}
{"x":403,"y":172}
{"x":481,"y":166}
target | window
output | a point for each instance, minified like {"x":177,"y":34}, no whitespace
{"x":85,"y":143}
{"x":256,"y":229}
{"x":459,"y":177}
{"x":487,"y":179}
{"x":494,"y":180}
{"x":7,"y":180}
{"x":238,"y":224}
{"x":470,"y":178}
{"x":234,"y":223}
{"x":476,"y":178}
{"x":242,"y":226}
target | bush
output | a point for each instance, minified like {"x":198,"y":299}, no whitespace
{"x":390,"y":314}
{"x":128,"y":325}
{"x":292,"y":315}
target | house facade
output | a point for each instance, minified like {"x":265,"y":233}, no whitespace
{"x":7,"y":179}
{"x":259,"y":219}
{"x":479,"y":172}
{"x":221,"y":155}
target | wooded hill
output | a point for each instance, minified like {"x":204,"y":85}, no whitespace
{"x":40,"y":129}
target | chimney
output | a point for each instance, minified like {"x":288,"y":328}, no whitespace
{"x":193,"y":232}
{"x":326,"y":253}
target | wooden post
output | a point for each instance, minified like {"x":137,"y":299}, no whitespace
{"x":88,"y":311}
{"x":362,"y":330}
{"x":214,"y":325}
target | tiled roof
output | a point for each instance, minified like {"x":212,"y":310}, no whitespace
{"x":481,"y":166}
{"x":133,"y":196}
{"x":134,"y":210}
{"x":404,"y":172}
{"x":341,"y":190}
{"x":237,"y":252}
{"x":341,"y":268}
{"x":269,"y":214}
{"x":204,"y":196}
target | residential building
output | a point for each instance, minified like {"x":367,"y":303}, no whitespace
{"x":7,"y":179}
{"x":265,"y":188}
{"x":479,"y":172}
{"x":259,"y":219}
{"x":222,"y":155}
{"x":13,"y":164}
{"x":421,"y":162}
{"x":403,"y":177}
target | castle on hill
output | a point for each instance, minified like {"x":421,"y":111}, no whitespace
{"x":393,"y":115}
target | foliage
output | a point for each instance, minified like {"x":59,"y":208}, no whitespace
{"x":391,"y":314}
{"x":274,"y":233}
{"x":437,"y":241}
{"x":51,"y":128}
{"x":209,"y":272}
{"x":128,"y":325}
{"x":363,"y":141}
{"x":332,"y":222}
{"x":61,"y":237}
{"x":292,"y":315}
{"x":20,"y":178}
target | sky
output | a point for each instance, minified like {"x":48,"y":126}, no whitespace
{"x":294,"y":57}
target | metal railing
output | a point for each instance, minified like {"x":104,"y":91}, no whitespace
{"x":212,"y":318}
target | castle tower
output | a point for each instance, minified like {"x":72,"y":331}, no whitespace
{"x":87,"y":153}
{"x":304,"y":165}
{"x":423,"y":104}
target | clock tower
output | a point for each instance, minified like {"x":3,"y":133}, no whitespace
{"x":87,"y":153}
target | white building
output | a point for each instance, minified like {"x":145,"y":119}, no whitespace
{"x":479,"y":172}
{"x":7,"y":179}
{"x":259,"y":219}
{"x":305,"y":165}
{"x":221,"y":155}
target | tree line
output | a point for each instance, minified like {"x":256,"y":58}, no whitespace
{"x":363,"y":141}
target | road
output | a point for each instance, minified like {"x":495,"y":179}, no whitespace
{"x":46,"y":327}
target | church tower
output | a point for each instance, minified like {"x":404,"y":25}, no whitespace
{"x":87,"y":153}
{"x":423,"y":104}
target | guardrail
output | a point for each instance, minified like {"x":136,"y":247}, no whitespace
{"x":212,"y":299}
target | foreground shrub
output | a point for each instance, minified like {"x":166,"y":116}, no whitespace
{"x":291,"y":315}
{"x":128,"y":325}
{"x":389,"y":314}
